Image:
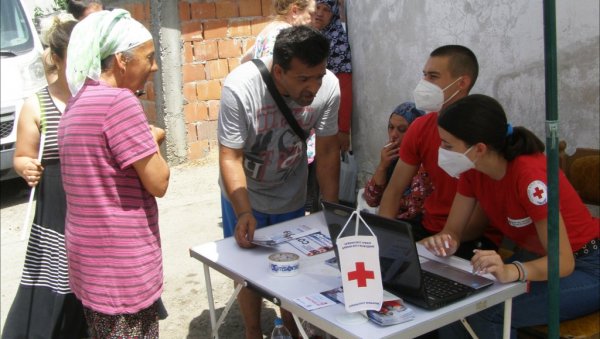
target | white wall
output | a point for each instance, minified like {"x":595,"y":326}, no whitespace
{"x":391,"y":41}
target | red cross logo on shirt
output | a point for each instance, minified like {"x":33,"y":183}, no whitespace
{"x":361,"y":275}
{"x":537,"y":192}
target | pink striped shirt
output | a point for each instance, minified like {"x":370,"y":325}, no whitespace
{"x":111,"y":232}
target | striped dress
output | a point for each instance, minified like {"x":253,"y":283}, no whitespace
{"x":44,"y":306}
{"x":112,"y":235}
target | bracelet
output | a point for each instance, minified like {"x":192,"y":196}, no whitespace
{"x":518,"y":271}
{"x":522,"y":268}
{"x":242,"y":214}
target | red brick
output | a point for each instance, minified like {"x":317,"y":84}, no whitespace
{"x":195,"y":111}
{"x":149,"y":88}
{"x":268,"y":8}
{"x":198,"y":149}
{"x":203,"y":11}
{"x":190,"y":92}
{"x":147,"y":12}
{"x":205,"y":50}
{"x":137,"y":11}
{"x":213,"y":109}
{"x":240,"y":28}
{"x":227,"y":9}
{"x":207,"y":130}
{"x":188,"y":52}
{"x":250,"y":8}
{"x":209,"y":90}
{"x":215,"y":29}
{"x":185,"y":11}
{"x":259,"y":24}
{"x":192,"y":132}
{"x":233,"y":63}
{"x":217,"y":69}
{"x":150,"y":110}
{"x":193,"y":72}
{"x":191,"y":30}
{"x":248,"y":43}
{"x":230,"y":48}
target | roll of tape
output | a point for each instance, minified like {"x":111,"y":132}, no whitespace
{"x":284,"y":264}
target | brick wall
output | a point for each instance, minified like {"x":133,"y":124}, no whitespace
{"x":215,"y":35}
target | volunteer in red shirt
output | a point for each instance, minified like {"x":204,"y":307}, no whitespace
{"x":503,"y":169}
{"x":448,"y":75}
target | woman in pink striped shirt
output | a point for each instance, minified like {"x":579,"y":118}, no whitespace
{"x":112,"y":171}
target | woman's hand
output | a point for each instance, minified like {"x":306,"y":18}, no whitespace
{"x":389,"y":153}
{"x":158,"y":134}
{"x":441,"y":244}
{"x":490,"y":262}
{"x":32,"y":172}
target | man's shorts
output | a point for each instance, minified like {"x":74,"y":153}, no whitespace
{"x":262,"y":219}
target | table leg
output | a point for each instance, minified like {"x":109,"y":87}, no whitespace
{"x":211,"y":302}
{"x":507,"y":318}
{"x":469,"y":328}
{"x":300,"y":328}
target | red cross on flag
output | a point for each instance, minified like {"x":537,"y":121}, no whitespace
{"x":537,"y":192}
{"x":360,"y":270}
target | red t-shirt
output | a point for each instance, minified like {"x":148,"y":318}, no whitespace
{"x":420,"y":146}
{"x":519,"y":199}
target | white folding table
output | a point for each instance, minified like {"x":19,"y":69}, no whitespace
{"x":250,"y":267}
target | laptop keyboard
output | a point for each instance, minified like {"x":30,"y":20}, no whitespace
{"x":441,"y":288}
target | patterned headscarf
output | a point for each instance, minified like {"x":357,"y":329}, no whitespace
{"x":96,"y":37}
{"x":339,"y":60}
{"x":408,"y":111}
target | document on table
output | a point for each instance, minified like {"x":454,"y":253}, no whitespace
{"x":307,"y":240}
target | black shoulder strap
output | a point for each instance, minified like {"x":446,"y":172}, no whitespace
{"x":283,"y":107}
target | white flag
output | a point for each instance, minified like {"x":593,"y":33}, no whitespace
{"x":361,"y":273}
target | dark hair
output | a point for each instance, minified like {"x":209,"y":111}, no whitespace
{"x":461,"y":61}
{"x":479,"y":118}
{"x":78,"y":7}
{"x":302,"y":42}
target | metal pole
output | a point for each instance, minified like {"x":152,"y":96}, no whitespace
{"x":552,"y":165}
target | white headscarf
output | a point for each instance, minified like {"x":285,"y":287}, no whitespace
{"x":96,"y":37}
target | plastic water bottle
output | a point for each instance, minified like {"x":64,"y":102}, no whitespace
{"x":280,"y":332}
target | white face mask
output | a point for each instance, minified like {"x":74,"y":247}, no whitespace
{"x":429,"y":97}
{"x":454,"y":163}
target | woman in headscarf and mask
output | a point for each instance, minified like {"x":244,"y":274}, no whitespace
{"x":112,"y":171}
{"x":411,"y":205}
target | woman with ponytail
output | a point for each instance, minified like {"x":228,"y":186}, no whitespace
{"x":44,"y":306}
{"x":503,"y":169}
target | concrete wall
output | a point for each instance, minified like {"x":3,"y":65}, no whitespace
{"x":391,"y":41}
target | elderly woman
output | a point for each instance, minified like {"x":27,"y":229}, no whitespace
{"x":44,"y":306}
{"x":112,"y":171}
{"x":411,"y":205}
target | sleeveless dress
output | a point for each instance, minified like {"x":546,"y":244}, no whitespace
{"x":44,"y":306}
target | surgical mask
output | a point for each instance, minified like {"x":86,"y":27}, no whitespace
{"x":454,"y":163}
{"x":429,"y":97}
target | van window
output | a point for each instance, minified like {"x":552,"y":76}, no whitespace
{"x":16,"y":37}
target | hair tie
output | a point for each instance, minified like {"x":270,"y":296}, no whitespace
{"x":509,"y":129}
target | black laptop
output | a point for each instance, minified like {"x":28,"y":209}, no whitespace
{"x":430,"y":285}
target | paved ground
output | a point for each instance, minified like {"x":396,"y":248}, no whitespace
{"x":190,"y":214}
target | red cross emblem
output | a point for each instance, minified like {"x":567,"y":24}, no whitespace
{"x":360,"y":275}
{"x":537,"y":192}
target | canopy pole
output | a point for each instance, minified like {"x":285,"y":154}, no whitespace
{"x":552,"y":165}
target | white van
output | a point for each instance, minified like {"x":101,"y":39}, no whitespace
{"x":22,"y":74}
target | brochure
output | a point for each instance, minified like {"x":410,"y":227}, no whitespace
{"x":307,"y":240}
{"x":393,"y":310}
